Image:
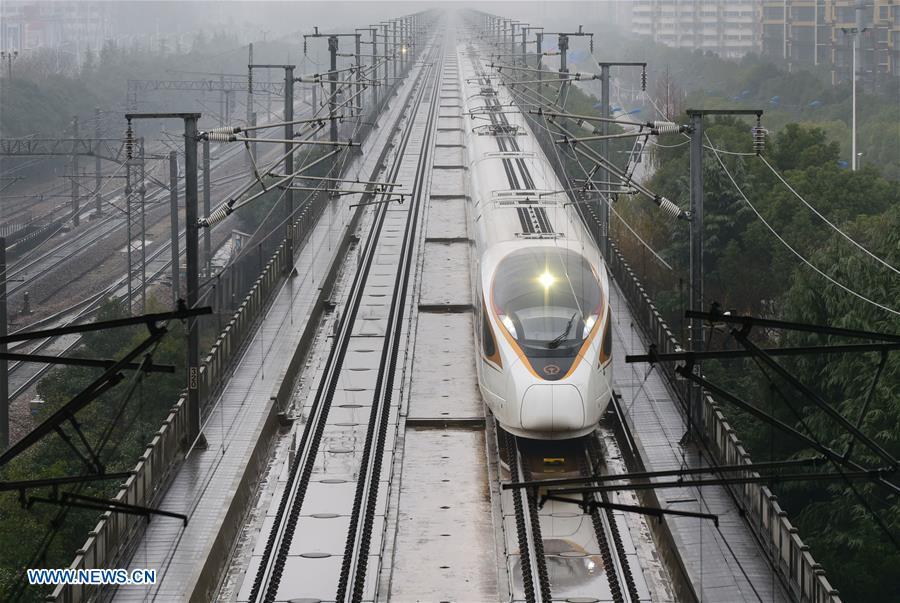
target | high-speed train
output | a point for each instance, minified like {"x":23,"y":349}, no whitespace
{"x":540,"y":283}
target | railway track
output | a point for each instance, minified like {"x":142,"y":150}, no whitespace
{"x":29,"y":270}
{"x":373,"y":277}
{"x":33,"y":267}
{"x":582,"y":561}
{"x":82,"y":310}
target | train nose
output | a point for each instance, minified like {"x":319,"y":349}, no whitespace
{"x":552,"y":407}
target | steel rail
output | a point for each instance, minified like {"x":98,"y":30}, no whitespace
{"x":620,"y":560}
{"x":587,"y":469}
{"x":524,"y":535}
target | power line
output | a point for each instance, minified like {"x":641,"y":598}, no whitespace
{"x":789,"y":247}
{"x":826,"y":220}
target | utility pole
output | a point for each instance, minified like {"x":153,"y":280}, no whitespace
{"x":75,"y":191}
{"x":332,"y":78}
{"x":370,"y":57}
{"x":207,"y":244}
{"x":288,"y":164}
{"x":4,"y":365}
{"x":602,"y":172}
{"x":696,"y":301}
{"x":143,"y":230}
{"x":134,"y":215}
{"x":853,"y":128}
{"x":173,"y":206}
{"x":695,"y":406}
{"x":374,"y":75}
{"x":129,"y":145}
{"x":98,"y":166}
{"x":396,"y":47}
{"x":193,"y":276}
{"x":359,"y":63}
{"x":524,"y":29}
{"x":563,"y":45}
{"x":404,"y":46}
{"x":696,"y":256}
{"x":512,"y":42}
{"x":251,"y":133}
{"x":288,"y":153}
{"x":384,"y":33}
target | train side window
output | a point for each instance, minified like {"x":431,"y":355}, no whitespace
{"x":488,"y":345}
{"x":606,"y":349}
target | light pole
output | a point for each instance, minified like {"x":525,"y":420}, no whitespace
{"x":854,"y":31}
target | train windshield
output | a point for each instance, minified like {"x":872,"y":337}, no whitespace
{"x":548,"y":299}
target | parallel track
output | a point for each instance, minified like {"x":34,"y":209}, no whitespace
{"x":356,"y":550}
{"x":54,"y":258}
{"x":352,"y":578}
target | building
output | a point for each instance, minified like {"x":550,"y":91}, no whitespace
{"x":817,"y":32}
{"x":71,"y":27}
{"x":729,"y":28}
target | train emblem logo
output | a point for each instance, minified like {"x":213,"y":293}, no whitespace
{"x":551,"y":369}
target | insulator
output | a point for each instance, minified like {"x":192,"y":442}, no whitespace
{"x":759,"y":139}
{"x":644,"y":79}
{"x":591,"y":44}
{"x":217,"y":216}
{"x":225,"y":130}
{"x":585,"y":76}
{"x":669,"y":208}
{"x":666,"y":127}
{"x":220,"y":137}
{"x":586,"y":126}
{"x":129,"y":142}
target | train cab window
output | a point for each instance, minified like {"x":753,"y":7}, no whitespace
{"x":548,"y":299}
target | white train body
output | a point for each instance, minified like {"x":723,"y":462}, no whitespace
{"x":540,"y":284}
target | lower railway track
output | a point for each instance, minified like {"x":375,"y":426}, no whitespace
{"x":374,"y":311}
{"x":46,"y":264}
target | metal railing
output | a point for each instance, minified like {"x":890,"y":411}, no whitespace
{"x":8,"y":229}
{"x":805,"y":578}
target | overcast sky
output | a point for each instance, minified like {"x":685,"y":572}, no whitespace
{"x":280,"y":17}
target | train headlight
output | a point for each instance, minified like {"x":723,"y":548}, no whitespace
{"x":508,"y":323}
{"x":546,"y":279}
{"x":589,"y":324}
